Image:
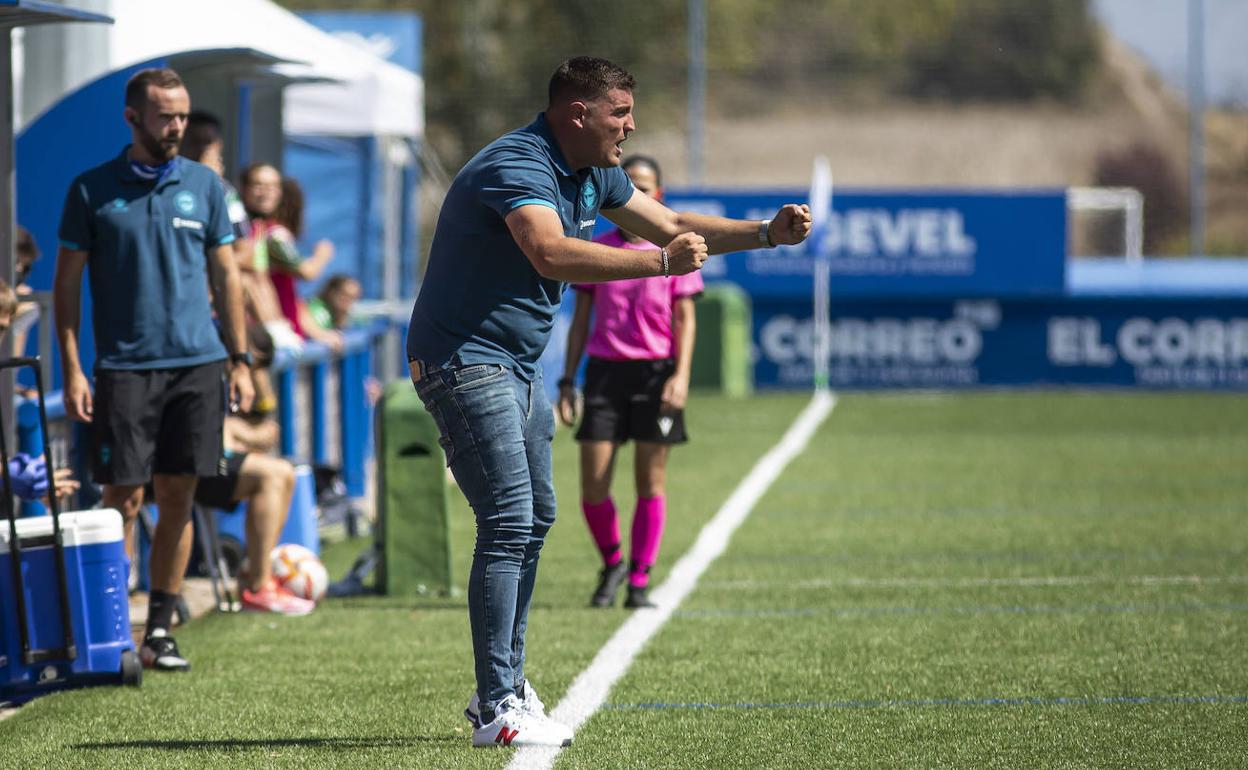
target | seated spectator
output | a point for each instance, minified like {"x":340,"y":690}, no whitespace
{"x":261,"y":194}
{"x":257,"y":430}
{"x":25,"y":252}
{"x":28,"y":476}
{"x":331,"y":307}
{"x":287,"y":266}
{"x":267,"y":484}
{"x":204,"y":143}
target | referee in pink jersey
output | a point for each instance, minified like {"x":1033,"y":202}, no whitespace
{"x":640,"y":345}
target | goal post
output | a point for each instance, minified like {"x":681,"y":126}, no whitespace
{"x":821,"y":290}
{"x":1086,"y":203}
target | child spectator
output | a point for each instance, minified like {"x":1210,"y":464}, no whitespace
{"x":29,"y":475}
{"x":331,"y":307}
{"x":287,"y":265}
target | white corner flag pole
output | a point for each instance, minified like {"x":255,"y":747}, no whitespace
{"x":821,"y":213}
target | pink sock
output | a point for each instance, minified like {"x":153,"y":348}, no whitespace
{"x":604,"y":525}
{"x":648,"y":523}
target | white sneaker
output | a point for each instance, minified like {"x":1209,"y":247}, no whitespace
{"x":515,"y":726}
{"x":528,"y":701}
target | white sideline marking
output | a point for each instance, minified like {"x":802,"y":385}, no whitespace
{"x":589,"y":690}
{"x":1017,"y":582}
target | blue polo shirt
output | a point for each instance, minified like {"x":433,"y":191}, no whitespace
{"x":481,"y":301}
{"x":147,"y":244}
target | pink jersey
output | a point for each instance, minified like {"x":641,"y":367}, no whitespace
{"x":633,"y":317}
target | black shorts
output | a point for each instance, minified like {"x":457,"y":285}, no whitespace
{"x":622,"y":400}
{"x":219,"y":491}
{"x":150,"y":421}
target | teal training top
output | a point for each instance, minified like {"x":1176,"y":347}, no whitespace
{"x":481,"y":300}
{"x":148,"y":244}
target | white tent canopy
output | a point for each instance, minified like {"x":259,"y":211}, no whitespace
{"x":367,"y":96}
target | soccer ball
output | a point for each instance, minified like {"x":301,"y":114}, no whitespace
{"x":298,"y":569}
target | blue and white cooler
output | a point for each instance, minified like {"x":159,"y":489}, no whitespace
{"x":41,"y":655}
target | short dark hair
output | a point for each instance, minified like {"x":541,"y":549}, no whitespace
{"x":136,"y":86}
{"x":202,"y":129}
{"x":644,"y":160}
{"x":24,"y":243}
{"x":585,"y":77}
{"x":336,"y":282}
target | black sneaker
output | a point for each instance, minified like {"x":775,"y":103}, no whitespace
{"x":609,"y":582}
{"x":638,"y":598}
{"x":159,"y":651}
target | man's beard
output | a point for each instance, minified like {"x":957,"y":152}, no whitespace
{"x":157,"y":149}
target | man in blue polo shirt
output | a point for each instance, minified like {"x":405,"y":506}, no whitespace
{"x":148,"y":225}
{"x":514,"y":230}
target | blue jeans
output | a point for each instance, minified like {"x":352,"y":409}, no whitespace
{"x":496,"y":430}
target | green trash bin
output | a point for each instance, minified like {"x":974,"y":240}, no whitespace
{"x":721,"y":352}
{"x":412,"y":530}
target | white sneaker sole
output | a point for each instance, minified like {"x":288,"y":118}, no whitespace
{"x":519,"y":743}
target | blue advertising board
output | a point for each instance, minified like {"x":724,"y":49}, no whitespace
{"x":903,"y":244}
{"x":1162,"y":343}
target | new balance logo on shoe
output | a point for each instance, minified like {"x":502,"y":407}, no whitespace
{"x":517,"y":723}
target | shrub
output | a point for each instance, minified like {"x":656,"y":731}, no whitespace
{"x":1146,"y":168}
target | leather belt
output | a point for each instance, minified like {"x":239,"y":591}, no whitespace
{"x":418,"y":369}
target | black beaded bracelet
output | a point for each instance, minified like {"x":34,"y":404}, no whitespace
{"x":566,"y":382}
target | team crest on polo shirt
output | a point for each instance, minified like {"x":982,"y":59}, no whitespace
{"x":184,"y":201}
{"x":119,"y":204}
{"x":589,"y":195}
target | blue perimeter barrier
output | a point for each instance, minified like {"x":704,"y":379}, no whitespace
{"x":1163,"y":324}
{"x":323,"y":409}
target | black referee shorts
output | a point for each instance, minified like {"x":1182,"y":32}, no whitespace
{"x":622,"y":400}
{"x":150,"y":421}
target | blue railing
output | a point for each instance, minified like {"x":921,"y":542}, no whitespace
{"x":309,"y":413}
{"x":323,"y":408}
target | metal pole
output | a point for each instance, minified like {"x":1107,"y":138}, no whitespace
{"x":697,"y":88}
{"x":7,"y":200}
{"x":1196,"y":123}
{"x":395,"y":156}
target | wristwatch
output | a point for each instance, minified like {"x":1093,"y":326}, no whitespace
{"x":764,"y":234}
{"x":241,"y":358}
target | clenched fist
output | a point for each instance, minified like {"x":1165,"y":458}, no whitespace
{"x":686,"y":253}
{"x":790,"y":225}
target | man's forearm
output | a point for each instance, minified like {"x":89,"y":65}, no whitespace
{"x":577,"y":261}
{"x":722,"y":235}
{"x":67,"y":312}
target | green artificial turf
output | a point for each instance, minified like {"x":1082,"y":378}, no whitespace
{"x":1024,"y":579}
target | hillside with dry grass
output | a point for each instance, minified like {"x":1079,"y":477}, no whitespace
{"x":874,"y":142}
